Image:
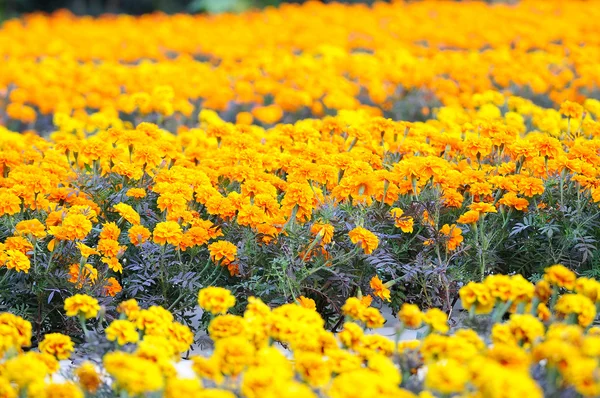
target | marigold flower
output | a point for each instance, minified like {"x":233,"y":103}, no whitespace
{"x":167,"y":232}
{"x":88,"y":377}
{"x":31,"y":227}
{"x":215,"y":300}
{"x":112,"y":287}
{"x":379,"y":288}
{"x":324,"y":231}
{"x":367,"y":240}
{"x":560,"y":276}
{"x":222,"y":251}
{"x":437,"y":320}
{"x":307,"y":303}
{"x":138,"y":234}
{"x":81,"y":304}
{"x":58,"y":345}
{"x":128,"y":213}
{"x":411,"y":316}
{"x":122,"y":331}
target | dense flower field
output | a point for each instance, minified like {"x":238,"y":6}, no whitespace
{"x":302,"y":164}
{"x":536,"y":351}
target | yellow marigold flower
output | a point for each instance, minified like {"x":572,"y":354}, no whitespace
{"x":222,"y":251}
{"x":510,"y":356}
{"x":58,"y":345}
{"x":75,"y":226}
{"x":122,"y":331}
{"x":6,"y":389}
{"x":82,"y":273}
{"x":313,"y":368}
{"x":234,"y":354}
{"x":130,"y":308}
{"x":178,"y":388}
{"x":372,"y":318}
{"x":437,"y":320}
{"x":351,"y":335}
{"x":215,"y":300}
{"x":167,"y":232}
{"x":367,"y":240}
{"x":525,"y":328}
{"x":20,"y":329}
{"x":58,"y":390}
{"x":133,"y":374}
{"x":406,"y":345}
{"x":138,"y":234}
{"x":405,"y":223}
{"x":85,"y":250}
{"x":81,"y":304}
{"x":353,"y":308}
{"x":366,"y":300}
{"x":411,"y":316}
{"x":180,"y":337}
{"x":88,"y":377}
{"x":571,"y":109}
{"x":307,"y":303}
{"x":227,"y":326}
{"x":560,"y":276}
{"x":385,"y":368}
{"x":137,"y":193}
{"x":483,"y":207}
{"x":446,"y":377}
{"x":589,"y":288}
{"x":25,"y":369}
{"x":207,"y":368}
{"x":128,"y":213}
{"x":543,"y":290}
{"x":477,"y":296}
{"x":379,"y":288}
{"x":578,"y":306}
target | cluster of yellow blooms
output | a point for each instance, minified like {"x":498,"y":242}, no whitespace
{"x":285,"y":351}
{"x":313,"y":59}
{"x":481,"y":162}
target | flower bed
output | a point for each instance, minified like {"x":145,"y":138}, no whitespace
{"x":545,"y":345}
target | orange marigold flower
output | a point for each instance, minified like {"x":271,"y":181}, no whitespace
{"x":222,"y":251}
{"x":367,"y":240}
{"x":128,"y":213}
{"x":379,"y":288}
{"x":167,"y":232}
{"x":82,"y":273}
{"x":31,"y":227}
{"x":9,"y":203}
{"x":307,"y":303}
{"x":453,"y":235}
{"x":470,"y":217}
{"x":323,"y":230}
{"x":17,"y":261}
{"x":560,"y":276}
{"x":137,"y":193}
{"x":138,"y":234}
{"x":112,"y":287}
{"x":571,"y":109}
{"x":75,"y":226}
